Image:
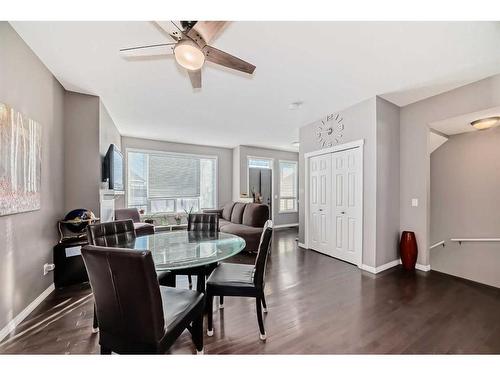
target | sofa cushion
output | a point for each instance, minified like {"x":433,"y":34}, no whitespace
{"x":255,"y":215}
{"x":251,"y":235}
{"x":240,"y":229}
{"x":237,"y":214}
{"x":227,"y":210}
{"x":223,"y":222}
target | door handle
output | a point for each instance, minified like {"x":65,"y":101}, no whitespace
{"x":342,"y":212}
{"x":320,"y":209}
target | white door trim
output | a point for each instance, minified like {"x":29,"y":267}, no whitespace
{"x":342,"y":147}
{"x":272,"y":179}
{"x":337,"y":148}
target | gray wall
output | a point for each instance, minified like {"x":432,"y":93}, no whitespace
{"x":387,"y":181}
{"x":236,"y":174}
{"x":360,"y":123}
{"x":82,"y":164}
{"x":377,"y":122}
{"x":108,"y":134}
{"x":277,"y":155}
{"x":26,"y":239}
{"x":225,"y":159}
{"x":415,"y":160}
{"x":465,"y":202}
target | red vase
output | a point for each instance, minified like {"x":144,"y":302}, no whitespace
{"x":408,"y":250}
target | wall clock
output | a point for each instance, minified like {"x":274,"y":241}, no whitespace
{"x":329,"y":131}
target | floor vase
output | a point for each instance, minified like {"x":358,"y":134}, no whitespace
{"x":408,"y":250}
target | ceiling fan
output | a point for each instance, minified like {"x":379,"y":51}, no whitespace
{"x":190,"y":48}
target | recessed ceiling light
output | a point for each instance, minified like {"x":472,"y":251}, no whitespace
{"x":296,"y":143}
{"x":486,"y":123}
{"x":295,"y":105}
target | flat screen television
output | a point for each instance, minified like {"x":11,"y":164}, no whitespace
{"x":113,"y":168}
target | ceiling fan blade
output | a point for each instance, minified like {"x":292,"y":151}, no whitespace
{"x":225,"y":59}
{"x":151,"y":50}
{"x":195,"y":77}
{"x":206,"y":29}
{"x":171,"y":28}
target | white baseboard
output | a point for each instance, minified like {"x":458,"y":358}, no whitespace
{"x":302,"y":245}
{"x":381,"y":268}
{"x":285,"y":226}
{"x":23,"y":314}
{"x":394,"y":263}
{"x":421,"y":267}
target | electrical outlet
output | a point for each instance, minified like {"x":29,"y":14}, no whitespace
{"x":48,"y":267}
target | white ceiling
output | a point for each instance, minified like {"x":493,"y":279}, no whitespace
{"x":462,"y":124}
{"x":327,"y":65}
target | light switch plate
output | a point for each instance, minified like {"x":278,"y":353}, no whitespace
{"x":414,"y":202}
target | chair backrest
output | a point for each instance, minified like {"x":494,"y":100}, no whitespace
{"x":112,"y":233}
{"x":263,"y":252}
{"x":128,"y":213}
{"x":127,"y":294}
{"x":203,"y":222}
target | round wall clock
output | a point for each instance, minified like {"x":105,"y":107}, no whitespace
{"x":329,"y":131}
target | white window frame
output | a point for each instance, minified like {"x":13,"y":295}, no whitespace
{"x":272,"y":179}
{"x":296,"y":187}
{"x":201,"y":156}
{"x":271,"y":160}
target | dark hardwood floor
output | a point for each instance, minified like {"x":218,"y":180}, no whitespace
{"x":316,"y":305}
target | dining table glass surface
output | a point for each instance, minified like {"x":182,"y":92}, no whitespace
{"x":187,"y":249}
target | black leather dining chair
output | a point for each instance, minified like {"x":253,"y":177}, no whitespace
{"x":205,"y":223}
{"x":136,"y":314}
{"x":242,"y":280}
{"x":112,"y":234}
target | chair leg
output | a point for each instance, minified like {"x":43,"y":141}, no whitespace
{"x":168,"y":280}
{"x":259,"y":319}
{"x":264,"y":304}
{"x":210,"y":313}
{"x":221,"y":302}
{"x":200,"y":282}
{"x":95,"y":324}
{"x":190,"y":280}
{"x":105,"y":350}
{"x":197,"y":334}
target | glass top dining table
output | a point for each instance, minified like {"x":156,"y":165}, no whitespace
{"x":187,"y":249}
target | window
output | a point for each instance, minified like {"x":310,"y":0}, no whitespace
{"x":288,"y":186}
{"x":259,"y":163}
{"x":167,"y":182}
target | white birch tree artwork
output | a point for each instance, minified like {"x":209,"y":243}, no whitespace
{"x":20,"y":162}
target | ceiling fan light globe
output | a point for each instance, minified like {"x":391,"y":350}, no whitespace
{"x":188,"y":55}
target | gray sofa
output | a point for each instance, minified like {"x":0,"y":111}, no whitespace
{"x":245,"y":220}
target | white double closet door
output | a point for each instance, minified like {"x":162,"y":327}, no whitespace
{"x":335,"y":204}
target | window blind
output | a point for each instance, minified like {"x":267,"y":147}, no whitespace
{"x":173,"y":176}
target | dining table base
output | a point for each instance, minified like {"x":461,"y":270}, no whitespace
{"x":201,"y":273}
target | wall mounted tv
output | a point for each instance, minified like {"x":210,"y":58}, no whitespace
{"x":113,"y":168}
